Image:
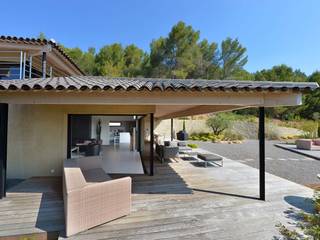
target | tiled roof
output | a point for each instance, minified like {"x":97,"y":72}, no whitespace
{"x":39,"y":42}
{"x":83,"y":83}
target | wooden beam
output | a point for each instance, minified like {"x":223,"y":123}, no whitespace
{"x":262,"y":153}
{"x":196,"y":110}
{"x":145,"y":97}
{"x":3,"y":147}
{"x":63,"y":64}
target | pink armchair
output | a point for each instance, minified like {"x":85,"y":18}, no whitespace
{"x":91,"y":197}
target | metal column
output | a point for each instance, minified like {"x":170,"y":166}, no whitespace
{"x":151,"y":145}
{"x":171,"y":132}
{"x":3,"y":147}
{"x":262,"y":153}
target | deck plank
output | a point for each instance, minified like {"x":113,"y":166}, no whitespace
{"x":181,"y":201}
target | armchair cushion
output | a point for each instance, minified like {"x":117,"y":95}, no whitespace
{"x":96,"y":175}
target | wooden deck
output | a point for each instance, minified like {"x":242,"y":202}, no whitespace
{"x":33,"y":209}
{"x":182,"y":201}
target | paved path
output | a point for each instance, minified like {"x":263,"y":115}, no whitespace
{"x":280,"y":162}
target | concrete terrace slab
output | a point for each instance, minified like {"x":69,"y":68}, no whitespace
{"x":181,"y":201}
{"x":315,"y":154}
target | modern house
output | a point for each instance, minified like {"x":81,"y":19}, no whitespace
{"x":62,"y":114}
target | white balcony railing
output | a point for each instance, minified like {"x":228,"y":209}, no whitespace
{"x":20,"y":65}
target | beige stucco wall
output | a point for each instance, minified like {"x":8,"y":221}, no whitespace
{"x":37,"y":136}
{"x":37,"y":141}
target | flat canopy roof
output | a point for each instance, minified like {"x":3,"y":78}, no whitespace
{"x":167,"y":97}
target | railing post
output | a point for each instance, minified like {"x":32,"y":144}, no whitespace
{"x":262,"y":152}
{"x":21,"y":57}
{"x":30,"y":67}
{"x":24,"y":65}
{"x":44,"y":64}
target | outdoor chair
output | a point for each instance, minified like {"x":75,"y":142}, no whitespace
{"x":166,"y":152}
{"x":91,"y":197}
{"x":210,"y":158}
{"x":93,"y":149}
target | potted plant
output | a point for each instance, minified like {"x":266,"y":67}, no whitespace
{"x":183,"y":135}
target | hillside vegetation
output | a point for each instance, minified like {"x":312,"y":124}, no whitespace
{"x":184,"y":54}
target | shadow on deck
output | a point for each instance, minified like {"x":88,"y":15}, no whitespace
{"x":38,"y":202}
{"x":38,"y":208}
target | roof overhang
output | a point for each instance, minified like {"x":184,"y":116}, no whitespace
{"x":34,"y":47}
{"x":167,"y":104}
{"x":167,"y":98}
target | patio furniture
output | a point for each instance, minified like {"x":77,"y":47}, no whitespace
{"x":75,"y":149}
{"x":210,"y":158}
{"x":182,"y":143}
{"x":308,"y":144}
{"x":90,"y":196}
{"x":184,"y":149}
{"x":92,"y":149}
{"x":189,"y":155}
{"x":166,"y":152}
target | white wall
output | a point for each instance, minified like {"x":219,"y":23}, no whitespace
{"x":105,"y":129}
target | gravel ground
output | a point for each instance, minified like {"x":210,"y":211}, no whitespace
{"x":280,"y":162}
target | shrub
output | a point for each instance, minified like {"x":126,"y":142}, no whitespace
{"x":205,"y":139}
{"x":310,"y":128}
{"x":272,"y":133}
{"x":309,"y":223}
{"x":193,"y":145}
{"x":231,"y":136}
{"x":219,"y":123}
{"x":216,"y":139}
{"x":228,"y":136}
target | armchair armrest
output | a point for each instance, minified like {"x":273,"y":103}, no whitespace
{"x":112,"y":186}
